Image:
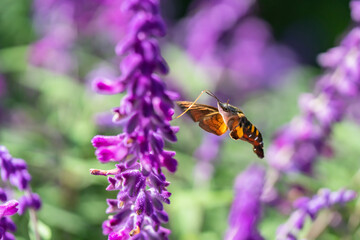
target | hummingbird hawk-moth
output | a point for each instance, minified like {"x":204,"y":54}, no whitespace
{"x":219,"y":120}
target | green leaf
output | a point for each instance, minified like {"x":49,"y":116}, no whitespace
{"x":43,"y":229}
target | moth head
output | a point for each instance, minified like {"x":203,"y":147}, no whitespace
{"x":223,"y":106}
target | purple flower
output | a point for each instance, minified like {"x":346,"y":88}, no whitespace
{"x":204,"y":30}
{"x":55,"y":22}
{"x":297,"y":146}
{"x":207,"y":154}
{"x":310,"y":207}
{"x":239,"y":48}
{"x":145,"y":112}
{"x":14,"y":172}
{"x":7,"y":226}
{"x":355,"y":10}
{"x":9,"y":208}
{"x":110,"y":20}
{"x":60,"y":23}
{"x":246,"y":208}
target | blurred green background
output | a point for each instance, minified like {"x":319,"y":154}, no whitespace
{"x":48,"y":119}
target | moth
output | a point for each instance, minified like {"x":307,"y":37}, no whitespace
{"x":219,"y":120}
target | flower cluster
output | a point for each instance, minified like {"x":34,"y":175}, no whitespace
{"x":307,"y":207}
{"x":55,"y":22}
{"x":14,"y":172}
{"x":145,"y":112}
{"x":299,"y":144}
{"x":245,"y":212}
{"x":62,"y":23}
{"x":240,"y":47}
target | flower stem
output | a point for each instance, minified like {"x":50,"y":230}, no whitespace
{"x":33,"y":219}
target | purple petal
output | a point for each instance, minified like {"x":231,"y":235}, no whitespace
{"x":9,"y":208}
{"x":168,"y":161}
{"x":106,"y":86}
{"x":104,"y":141}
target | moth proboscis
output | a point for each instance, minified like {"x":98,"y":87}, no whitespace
{"x":219,"y":120}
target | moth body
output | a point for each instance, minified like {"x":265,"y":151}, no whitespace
{"x":225,"y":116}
{"x":230,"y":114}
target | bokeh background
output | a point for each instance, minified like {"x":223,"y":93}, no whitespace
{"x":261,"y":57}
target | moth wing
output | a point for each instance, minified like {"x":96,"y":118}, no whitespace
{"x":208,"y":117}
{"x":246,"y":131}
{"x":197,"y":111}
{"x":213,"y":123}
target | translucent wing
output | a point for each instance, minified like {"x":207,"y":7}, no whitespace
{"x":208,"y":117}
{"x":197,"y":111}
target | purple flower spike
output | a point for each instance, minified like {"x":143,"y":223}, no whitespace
{"x":298,"y":145}
{"x":310,"y":207}
{"x":246,"y":208}
{"x":145,"y":112}
{"x":14,"y":172}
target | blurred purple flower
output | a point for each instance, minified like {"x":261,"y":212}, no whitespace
{"x":61,"y":23}
{"x":245,"y":212}
{"x":54,"y":20}
{"x":207,"y":154}
{"x":204,"y":30}
{"x":139,"y":151}
{"x":355,"y":10}
{"x":110,"y":20}
{"x":307,"y":207}
{"x":14,"y":171}
{"x":239,"y":46}
{"x":297,"y":145}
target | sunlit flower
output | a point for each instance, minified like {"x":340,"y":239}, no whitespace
{"x":139,"y":151}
